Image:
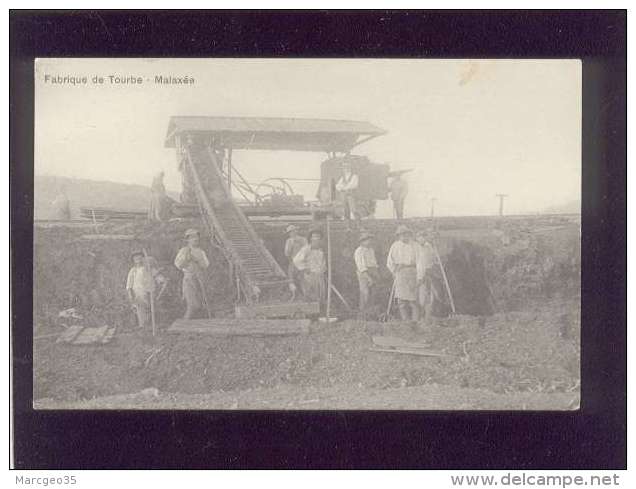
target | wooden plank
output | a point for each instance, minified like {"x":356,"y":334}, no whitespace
{"x":70,"y":333}
{"x":396,"y":342}
{"x":411,"y":352}
{"x":277,"y":309}
{"x":233,"y":327}
{"x":224,"y":330}
{"x":238,"y":323}
{"x":109,"y":236}
{"x":90,"y":335}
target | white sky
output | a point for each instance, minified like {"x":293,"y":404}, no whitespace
{"x":469,"y":128}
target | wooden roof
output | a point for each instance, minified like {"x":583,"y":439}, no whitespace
{"x":275,"y":133}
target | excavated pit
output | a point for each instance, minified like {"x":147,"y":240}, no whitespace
{"x":515,"y":285}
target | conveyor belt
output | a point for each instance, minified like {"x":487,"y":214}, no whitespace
{"x":259,"y":275}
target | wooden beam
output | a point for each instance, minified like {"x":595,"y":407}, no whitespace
{"x":240,"y":327}
{"x":418,"y":352}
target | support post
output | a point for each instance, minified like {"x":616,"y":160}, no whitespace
{"x":501,"y":202}
{"x":229,"y":170}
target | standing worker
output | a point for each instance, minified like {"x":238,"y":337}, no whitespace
{"x":310,"y":260}
{"x":188,"y":192}
{"x":142,"y":281}
{"x":399,"y":189}
{"x":348,"y":184}
{"x":192,"y":261}
{"x":292,"y":246}
{"x":367,"y":270}
{"x":62,"y":207}
{"x":158,"y":199}
{"x":425,"y":263}
{"x":402,"y":262}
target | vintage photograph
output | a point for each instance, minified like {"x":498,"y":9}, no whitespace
{"x":307,"y":234}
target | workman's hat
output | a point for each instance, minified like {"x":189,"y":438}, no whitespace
{"x":136,"y":253}
{"x":364,"y":236}
{"x":291,"y":228}
{"x":314,"y":231}
{"x":402,"y":229}
{"x":191,"y":232}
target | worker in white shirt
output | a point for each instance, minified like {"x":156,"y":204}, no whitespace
{"x":425,"y":264}
{"x":347,"y":185}
{"x":293,"y":245}
{"x":142,"y":281}
{"x":310,"y":260}
{"x":367,"y":270}
{"x":193,"y":261}
{"x":399,"y":189}
{"x":402,"y":263}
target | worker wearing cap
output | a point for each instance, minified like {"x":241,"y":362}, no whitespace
{"x":192,"y":261}
{"x":425,"y":264}
{"x":293,"y":245}
{"x":367,"y":270}
{"x":348,"y":184}
{"x":142,"y":281}
{"x":399,"y":188}
{"x":402,"y":263}
{"x":310,"y":261}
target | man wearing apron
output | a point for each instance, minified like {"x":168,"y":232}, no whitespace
{"x":193,"y":261}
{"x":402,"y":262}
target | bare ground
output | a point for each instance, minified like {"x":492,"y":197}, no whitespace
{"x":501,"y":363}
{"x":426,"y":397}
{"x":526,"y":356}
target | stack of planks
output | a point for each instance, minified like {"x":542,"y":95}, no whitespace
{"x":80,"y":335}
{"x":240,"y":327}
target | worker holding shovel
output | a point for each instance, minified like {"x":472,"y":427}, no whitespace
{"x":193,"y":261}
{"x":402,"y":262}
{"x":141,"y":284}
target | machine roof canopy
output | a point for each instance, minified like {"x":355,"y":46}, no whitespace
{"x":275,"y":133}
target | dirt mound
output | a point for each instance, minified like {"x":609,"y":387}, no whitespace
{"x":69,"y":271}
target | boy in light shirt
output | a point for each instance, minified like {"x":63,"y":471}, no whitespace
{"x":142,"y":281}
{"x":367,"y":270}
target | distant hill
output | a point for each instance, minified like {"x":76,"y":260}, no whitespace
{"x":572,"y":207}
{"x":82,"y":193}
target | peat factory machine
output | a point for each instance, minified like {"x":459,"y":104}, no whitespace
{"x":205,"y":148}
